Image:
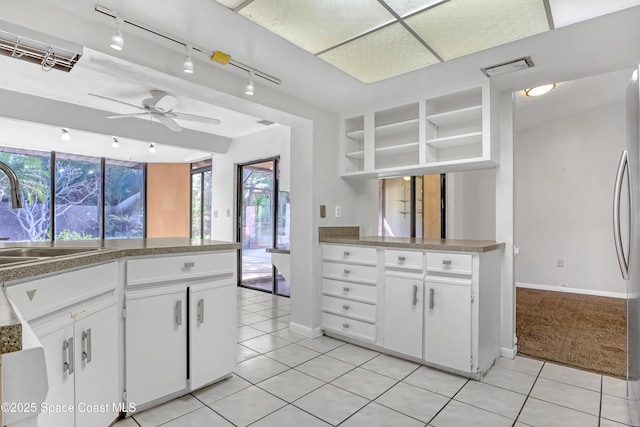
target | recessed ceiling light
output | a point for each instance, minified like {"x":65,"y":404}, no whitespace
{"x":66,"y":136}
{"x":540,"y":90}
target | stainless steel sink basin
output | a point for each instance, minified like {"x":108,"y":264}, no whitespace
{"x":43,"y":252}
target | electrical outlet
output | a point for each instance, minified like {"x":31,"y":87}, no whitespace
{"x":560,"y":263}
{"x":338,"y":211}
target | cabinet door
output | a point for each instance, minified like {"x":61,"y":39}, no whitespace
{"x":155,"y":343}
{"x":57,"y":340}
{"x":213,"y":332}
{"x":403,"y":311}
{"x":447,"y":325}
{"x":97,"y":373}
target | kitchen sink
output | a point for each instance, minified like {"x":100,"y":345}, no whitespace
{"x":34,"y":253}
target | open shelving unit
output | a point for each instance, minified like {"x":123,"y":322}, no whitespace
{"x":353,"y":160}
{"x":397,"y":136}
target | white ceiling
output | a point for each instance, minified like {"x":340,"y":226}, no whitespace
{"x":592,"y":47}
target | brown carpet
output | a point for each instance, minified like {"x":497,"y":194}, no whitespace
{"x":583,"y":331}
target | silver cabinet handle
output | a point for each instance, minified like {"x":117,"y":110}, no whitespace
{"x":86,"y":345}
{"x":345,"y":307}
{"x":345,"y":289}
{"x":617,"y":233}
{"x":190,"y":264}
{"x":431,"y":298}
{"x":402,"y":259}
{"x":415,"y":294}
{"x":67,"y":361}
{"x":345,"y":325}
{"x":346,"y":272}
{"x":200,"y":312}
{"x":345,"y":253}
{"x":177,"y":311}
{"x":446,"y":262}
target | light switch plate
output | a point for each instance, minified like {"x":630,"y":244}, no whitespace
{"x":338,"y":211}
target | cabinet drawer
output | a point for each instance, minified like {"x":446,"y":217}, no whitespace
{"x":173,"y":268}
{"x":355,"y":291}
{"x":344,"y":307}
{"x":359,"y":254}
{"x":442,"y":262}
{"x":348,"y":272}
{"x":405,"y":260}
{"x":343,"y":325}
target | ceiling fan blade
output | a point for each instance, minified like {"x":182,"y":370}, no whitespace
{"x":165,"y":103}
{"x":122,"y":116}
{"x":168,"y":122}
{"x":194,"y":118}
{"x":116,"y":100}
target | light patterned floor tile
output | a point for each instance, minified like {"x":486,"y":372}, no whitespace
{"x":566,"y":395}
{"x":543,"y":414}
{"x":572,"y":376}
{"x":288,"y":335}
{"x":290,"y":416}
{"x":325,"y":368}
{"x":522,"y":364}
{"x":457,"y":414}
{"x":291,"y":385}
{"x":221,"y":389}
{"x":247,"y":406}
{"x":509,"y":379}
{"x":614,"y":386}
{"x":390,"y":366}
{"x":364,"y":383}
{"x":321,"y":344}
{"x":491,"y":398}
{"x":199,"y":418}
{"x":292,"y":355}
{"x":374,"y":415}
{"x":352,"y":354}
{"x":265,"y":343}
{"x":270,"y":325}
{"x":413,"y":401}
{"x":436,"y":381}
{"x":259,"y":369}
{"x":330,"y":403}
{"x":248,"y":332}
{"x":248,"y":319}
{"x":273,"y":312}
{"x":167,"y":411}
{"x":243,"y":353}
{"x":616,"y":409}
{"x":127,"y":422}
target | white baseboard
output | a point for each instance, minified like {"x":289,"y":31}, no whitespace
{"x":509,"y":353}
{"x":572,"y":290}
{"x":305,"y":330}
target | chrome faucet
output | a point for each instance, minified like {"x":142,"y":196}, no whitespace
{"x":16,"y":196}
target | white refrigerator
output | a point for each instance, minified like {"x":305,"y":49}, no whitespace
{"x":626,"y":228}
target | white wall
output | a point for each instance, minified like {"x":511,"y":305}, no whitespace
{"x":564,"y":174}
{"x":471,"y":205}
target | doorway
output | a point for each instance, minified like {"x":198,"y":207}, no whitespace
{"x":263,"y":226}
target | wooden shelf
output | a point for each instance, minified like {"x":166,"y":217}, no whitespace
{"x":359,"y":155}
{"x":456,"y":140}
{"x":397,"y":149}
{"x":453,"y":117}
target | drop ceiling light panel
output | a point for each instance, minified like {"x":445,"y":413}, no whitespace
{"x":407,"y":7}
{"x":231,"y":4}
{"x":384,"y":53}
{"x":317,"y":25}
{"x":459,"y":27}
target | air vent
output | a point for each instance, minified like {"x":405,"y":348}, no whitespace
{"x":265,"y":122}
{"x":29,"y":45}
{"x":508,"y":67}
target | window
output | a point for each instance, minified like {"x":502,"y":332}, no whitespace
{"x":124,"y":200}
{"x":92,"y":197}
{"x":201,"y":198}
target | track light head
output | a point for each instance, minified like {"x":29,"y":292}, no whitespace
{"x":66,"y":136}
{"x":117,"y":40}
{"x":187,"y":66}
{"x":152,"y":148}
{"x":115,"y":143}
{"x":249,"y":88}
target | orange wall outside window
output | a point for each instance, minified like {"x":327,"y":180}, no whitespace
{"x":168,"y":199}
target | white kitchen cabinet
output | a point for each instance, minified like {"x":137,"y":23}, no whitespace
{"x":81,"y":354}
{"x":403,"y":315}
{"x":447,"y":325}
{"x":442,"y":131}
{"x":212,"y":352}
{"x":156,"y":343}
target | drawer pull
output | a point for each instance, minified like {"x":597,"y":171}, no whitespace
{"x":86,"y":345}
{"x":431,"y":298}
{"x":346,"y":253}
{"x":446,"y":262}
{"x":189,"y":264}
{"x":345,"y":325}
{"x":347,"y":272}
{"x":402,"y":259}
{"x":345,"y":307}
{"x":177,"y":313}
{"x":415,"y":294}
{"x":345,"y":289}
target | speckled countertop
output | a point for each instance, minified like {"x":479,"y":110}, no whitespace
{"x":452,"y":245}
{"x":111,"y":249}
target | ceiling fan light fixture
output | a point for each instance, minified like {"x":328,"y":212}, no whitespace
{"x":117,"y":40}
{"x":249,"y":88}
{"x":115,"y":143}
{"x":540,"y":90}
{"x":152,"y":148}
{"x":187,"y":66}
{"x":66,"y":136}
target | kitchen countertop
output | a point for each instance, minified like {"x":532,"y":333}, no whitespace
{"x":455,"y":245}
{"x":111,"y":249}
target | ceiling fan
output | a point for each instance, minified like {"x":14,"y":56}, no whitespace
{"x":160,"y":108}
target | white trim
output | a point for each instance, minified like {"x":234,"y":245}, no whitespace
{"x":305,"y":330}
{"x":509,"y":353}
{"x":572,"y":290}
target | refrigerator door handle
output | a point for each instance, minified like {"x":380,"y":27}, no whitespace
{"x":617,"y":234}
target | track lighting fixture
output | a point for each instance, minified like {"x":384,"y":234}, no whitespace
{"x":117,"y":41}
{"x":152,"y":148}
{"x":187,"y":66}
{"x":66,"y":136}
{"x":115,"y":143}
{"x":248,"y":90}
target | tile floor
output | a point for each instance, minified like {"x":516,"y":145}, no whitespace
{"x":283,"y":379}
